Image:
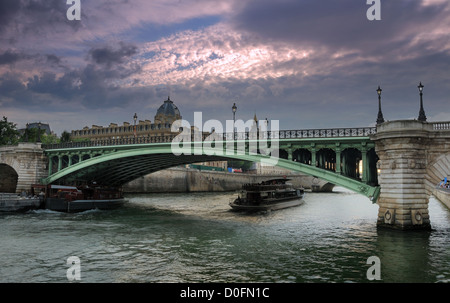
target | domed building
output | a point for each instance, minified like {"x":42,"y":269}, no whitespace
{"x":158,"y":131}
{"x":167,"y":112}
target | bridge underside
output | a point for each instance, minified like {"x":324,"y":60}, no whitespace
{"x":123,"y":170}
{"x":120,"y":167}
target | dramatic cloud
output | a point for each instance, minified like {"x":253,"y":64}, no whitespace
{"x":343,"y":24}
{"x":108,"y":56}
{"x":308,"y":63}
{"x":10,"y":57}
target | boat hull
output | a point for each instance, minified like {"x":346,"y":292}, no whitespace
{"x":62,"y":205}
{"x":267,"y":206}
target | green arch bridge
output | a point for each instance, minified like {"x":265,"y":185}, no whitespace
{"x":344,"y":156}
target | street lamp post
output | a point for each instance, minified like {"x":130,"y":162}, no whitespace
{"x":135,"y":118}
{"x":380,"y":118}
{"x":422,"y":116}
{"x":234,"y":108}
{"x":26,"y":133}
{"x":39,"y":133}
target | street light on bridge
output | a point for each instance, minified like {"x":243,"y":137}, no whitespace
{"x":380,"y":118}
{"x":422,"y":116}
{"x":39,"y":133}
{"x":234,"y":109}
{"x":135,"y":118}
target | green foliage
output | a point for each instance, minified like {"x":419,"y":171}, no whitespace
{"x":80,"y":140}
{"x":65,"y":137}
{"x":8,"y":132}
{"x":31,"y":135}
{"x":49,"y":139}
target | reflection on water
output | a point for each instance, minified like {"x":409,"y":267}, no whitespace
{"x":196,"y":238}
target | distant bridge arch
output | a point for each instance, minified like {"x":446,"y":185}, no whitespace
{"x":8,"y":178}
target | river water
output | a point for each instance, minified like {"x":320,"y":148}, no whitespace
{"x":196,"y":238}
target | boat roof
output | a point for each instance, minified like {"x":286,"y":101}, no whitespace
{"x":62,"y":187}
{"x":278,"y":180}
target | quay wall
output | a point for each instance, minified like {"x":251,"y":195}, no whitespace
{"x":193,"y":180}
{"x":20,"y":166}
{"x":443,"y":196}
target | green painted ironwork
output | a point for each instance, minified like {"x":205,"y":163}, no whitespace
{"x":119,"y":164}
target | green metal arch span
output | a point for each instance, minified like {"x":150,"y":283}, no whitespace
{"x":120,"y":167}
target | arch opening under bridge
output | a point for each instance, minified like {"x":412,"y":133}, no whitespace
{"x":117,"y":167}
{"x":8,"y":178}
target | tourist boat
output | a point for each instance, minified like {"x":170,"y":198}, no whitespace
{"x":269,"y":195}
{"x":75,"y":199}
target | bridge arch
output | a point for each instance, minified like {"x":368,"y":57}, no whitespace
{"x":120,"y":167}
{"x":350,"y":158}
{"x":437,"y":170}
{"x":302,"y":155}
{"x":8,"y":178}
{"x":326,"y":159}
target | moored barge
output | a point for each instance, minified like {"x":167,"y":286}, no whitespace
{"x":269,"y":195}
{"x":76,"y":199}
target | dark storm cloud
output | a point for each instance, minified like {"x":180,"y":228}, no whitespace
{"x":10,"y":57}
{"x":108,"y":56}
{"x":90,"y":86}
{"x":336,"y":24}
{"x":8,"y":9}
{"x":53,"y":59}
{"x":20,"y":19}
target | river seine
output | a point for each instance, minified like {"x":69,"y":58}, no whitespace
{"x":196,"y":238}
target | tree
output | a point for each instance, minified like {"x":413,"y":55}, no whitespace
{"x":65,"y":137}
{"x":31,"y":135}
{"x":9,"y":135}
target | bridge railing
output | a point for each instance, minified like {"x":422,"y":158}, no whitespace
{"x":329,"y":133}
{"x":441,"y":126}
{"x":282,"y":134}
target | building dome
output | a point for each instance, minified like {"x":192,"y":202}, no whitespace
{"x":167,"y":112}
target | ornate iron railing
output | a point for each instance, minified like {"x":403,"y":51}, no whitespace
{"x":282,"y":134}
{"x":329,"y":133}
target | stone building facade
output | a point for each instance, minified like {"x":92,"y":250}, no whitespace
{"x":166,"y":114}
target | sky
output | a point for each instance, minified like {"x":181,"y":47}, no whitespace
{"x":306,"y":63}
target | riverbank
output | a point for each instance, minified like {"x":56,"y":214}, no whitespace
{"x":442,"y":195}
{"x":179,"y":179}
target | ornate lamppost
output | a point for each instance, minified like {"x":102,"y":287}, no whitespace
{"x":135,"y":118}
{"x":26,"y":133}
{"x":39,"y":133}
{"x":422,"y":116}
{"x":380,"y":118}
{"x":234,"y":109}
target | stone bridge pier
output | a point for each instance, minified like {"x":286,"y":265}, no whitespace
{"x":20,"y":166}
{"x":408,"y":151}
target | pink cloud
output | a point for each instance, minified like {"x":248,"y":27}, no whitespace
{"x":216,"y":54}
